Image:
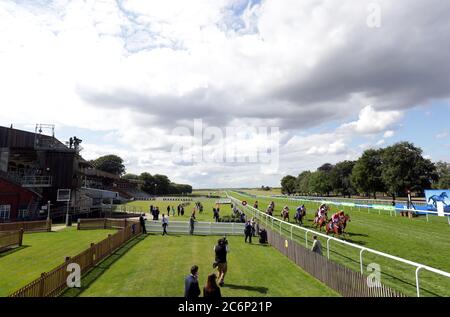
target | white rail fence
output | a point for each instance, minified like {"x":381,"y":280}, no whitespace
{"x":353,"y":206}
{"x":200,"y":228}
{"x":274,"y":222}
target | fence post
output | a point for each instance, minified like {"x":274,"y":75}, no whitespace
{"x":361,"y":260}
{"x":41,"y":285}
{"x":109,"y":243}
{"x":280,"y":228}
{"x":104,"y":223}
{"x":427,"y":216}
{"x":49,"y":225}
{"x":292,"y":227}
{"x":20,"y":237}
{"x":328,"y":248}
{"x":78,"y":223}
{"x":417,"y":281}
{"x":306,"y":239}
{"x":92,"y":257}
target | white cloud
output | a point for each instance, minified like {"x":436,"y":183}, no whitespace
{"x":141,"y":68}
{"x":442,"y":135}
{"x":371,"y":121}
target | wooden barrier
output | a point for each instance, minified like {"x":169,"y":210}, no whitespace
{"x":343,"y":280}
{"x":53,"y":283}
{"x":103,"y":223}
{"x":27,"y":226}
{"x":10,"y":239}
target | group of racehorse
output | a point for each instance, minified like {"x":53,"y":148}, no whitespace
{"x":335,"y":225}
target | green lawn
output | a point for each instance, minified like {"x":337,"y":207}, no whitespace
{"x":41,"y":252}
{"x":156,"y":266}
{"x":206,"y":215}
{"x":412,"y":239}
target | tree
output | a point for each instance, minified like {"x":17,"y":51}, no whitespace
{"x":288,"y":185}
{"x":149,"y":183}
{"x":130,"y":176}
{"x":366,"y":174}
{"x":302,"y":183}
{"x":340,"y":177}
{"x":443,"y":172}
{"x":404,"y":168}
{"x":110,"y":163}
{"x":319,"y":183}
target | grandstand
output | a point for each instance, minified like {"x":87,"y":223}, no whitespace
{"x":34,"y":166}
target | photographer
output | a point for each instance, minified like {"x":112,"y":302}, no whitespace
{"x":221,"y":250}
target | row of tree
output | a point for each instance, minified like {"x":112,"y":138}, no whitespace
{"x":393,"y":170}
{"x":152,"y":184}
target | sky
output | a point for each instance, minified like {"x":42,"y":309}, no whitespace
{"x":229,"y":93}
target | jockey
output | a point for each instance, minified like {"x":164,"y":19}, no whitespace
{"x":335,"y":218}
{"x":341,"y":215}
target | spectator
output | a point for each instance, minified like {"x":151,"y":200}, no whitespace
{"x":179,"y":210}
{"x":248,"y":231}
{"x":182,"y":210}
{"x":191,"y":225}
{"x":165,"y":223}
{"x":221,"y":250}
{"x":211,"y":290}
{"x":317,"y":246}
{"x":191,"y":288}
{"x":157,"y":213}
{"x":173,"y":211}
{"x":263,"y":236}
{"x":168,"y":210}
{"x":142,"y":222}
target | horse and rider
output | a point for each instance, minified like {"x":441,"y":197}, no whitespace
{"x":300,"y":214}
{"x":321,"y":217}
{"x":337,"y":223}
{"x":285,"y":213}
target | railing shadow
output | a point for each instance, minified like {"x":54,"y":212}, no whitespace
{"x":259,"y":289}
{"x":93,"y":274}
{"x":11,"y":251}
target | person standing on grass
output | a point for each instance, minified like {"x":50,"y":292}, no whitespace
{"x":221,"y":250}
{"x":173,"y":211}
{"x":191,"y":225}
{"x":191,"y":288}
{"x":317,"y":246}
{"x":142,"y":222}
{"x":248,"y":231}
{"x":165,"y":223}
{"x":211,"y":290}
{"x":168,"y":210}
{"x":178,"y":210}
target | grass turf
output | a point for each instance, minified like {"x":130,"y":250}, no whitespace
{"x":156,"y":266}
{"x":41,"y":252}
{"x":413,"y":239}
{"x":206,"y":215}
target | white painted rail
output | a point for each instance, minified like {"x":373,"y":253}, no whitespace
{"x":200,"y":228}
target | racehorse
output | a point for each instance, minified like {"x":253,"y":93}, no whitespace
{"x":285,"y":215}
{"x":320,"y":222}
{"x":437,"y":198}
{"x":335,"y":229}
{"x":344,"y":221}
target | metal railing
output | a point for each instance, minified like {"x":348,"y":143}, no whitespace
{"x":270,"y":220}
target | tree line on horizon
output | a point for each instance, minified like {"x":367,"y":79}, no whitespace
{"x":393,"y":170}
{"x":156,"y":184}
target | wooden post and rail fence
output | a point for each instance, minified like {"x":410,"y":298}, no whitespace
{"x":27,"y":226}
{"x":53,"y":283}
